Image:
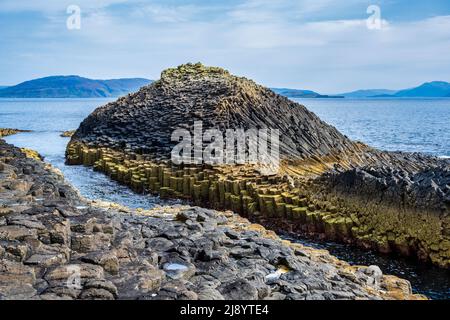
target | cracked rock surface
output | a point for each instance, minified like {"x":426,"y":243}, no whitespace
{"x":56,"y":245}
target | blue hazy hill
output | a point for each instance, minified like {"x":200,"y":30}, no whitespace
{"x":369,"y":93}
{"x":79,"y":87}
{"x":435,"y":89}
{"x":297,"y":93}
{"x":73,"y":87}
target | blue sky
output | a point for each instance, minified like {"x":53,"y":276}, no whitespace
{"x":323,"y":45}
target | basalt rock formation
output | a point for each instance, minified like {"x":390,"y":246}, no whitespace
{"x":143,"y":122}
{"x":327,"y":184}
{"x":56,"y":245}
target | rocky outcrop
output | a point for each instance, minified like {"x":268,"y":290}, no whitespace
{"x":327,"y":185}
{"x":67,"y":134}
{"x":56,"y":245}
{"x":426,"y":188}
{"x":8,"y":132}
{"x":399,"y":208}
{"x":144,"y":121}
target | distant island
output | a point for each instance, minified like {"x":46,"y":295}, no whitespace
{"x":79,"y":87}
{"x":434,"y":89}
{"x":369,"y":93}
{"x":297,"y":93}
{"x":73,"y":87}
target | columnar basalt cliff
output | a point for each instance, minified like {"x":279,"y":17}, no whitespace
{"x":327,"y":185}
{"x":56,"y":245}
{"x":143,"y":122}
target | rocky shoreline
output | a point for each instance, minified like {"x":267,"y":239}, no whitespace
{"x":56,"y":245}
{"x":327,"y":186}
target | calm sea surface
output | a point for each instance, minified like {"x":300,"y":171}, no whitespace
{"x":414,"y":125}
{"x":418,"y":125}
{"x":48,"y":118}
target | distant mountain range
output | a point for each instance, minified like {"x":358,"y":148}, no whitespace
{"x":297,"y":93}
{"x":73,"y":87}
{"x":79,"y":87}
{"x":429,"y":89}
{"x":368,"y":93}
{"x":435,"y":89}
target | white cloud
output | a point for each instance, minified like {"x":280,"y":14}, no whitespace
{"x":166,"y":14}
{"x":265,"y":40}
{"x":262,"y":11}
{"x":52,"y":6}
